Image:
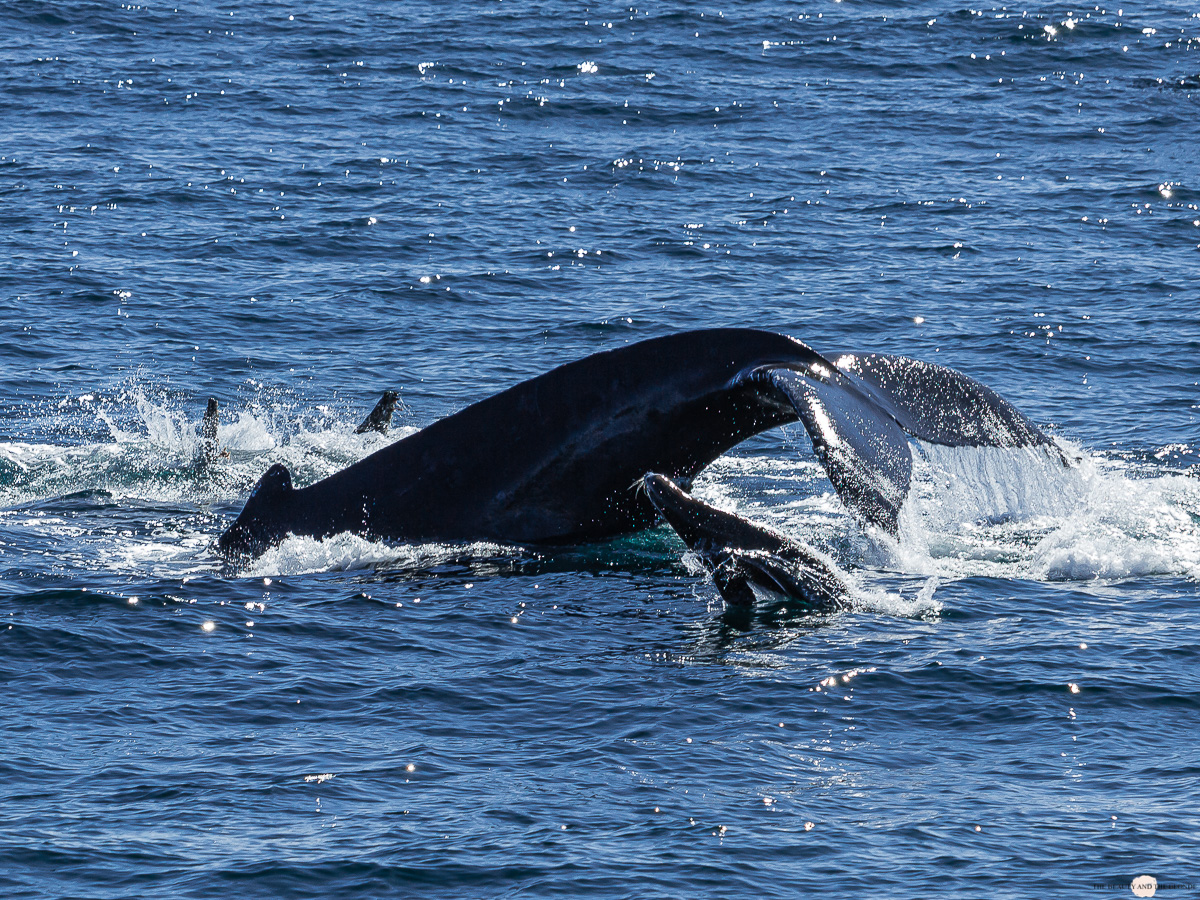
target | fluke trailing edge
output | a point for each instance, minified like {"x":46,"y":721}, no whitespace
{"x":557,"y":459}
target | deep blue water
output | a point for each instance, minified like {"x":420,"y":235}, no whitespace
{"x":293,"y":208}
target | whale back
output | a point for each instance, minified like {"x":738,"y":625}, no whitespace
{"x":553,"y":459}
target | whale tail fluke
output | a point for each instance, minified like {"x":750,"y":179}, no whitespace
{"x":862,"y":448}
{"x":940,"y":405}
{"x":861,"y":411}
{"x":381,"y":416}
{"x":742,"y":556}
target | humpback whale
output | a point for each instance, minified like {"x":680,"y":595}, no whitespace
{"x":740,"y":554}
{"x":557,"y":459}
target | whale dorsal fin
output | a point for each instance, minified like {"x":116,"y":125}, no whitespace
{"x":258,"y":524}
{"x":208,"y":428}
{"x":276,"y":481}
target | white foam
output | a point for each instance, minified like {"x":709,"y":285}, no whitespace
{"x":1126,"y":527}
{"x":920,"y":606}
{"x":248,"y":433}
{"x":1022,"y":514}
{"x":148,"y":451}
{"x":164,"y":554}
{"x":347,"y":552}
{"x":1003,"y":513}
{"x":153,"y":449}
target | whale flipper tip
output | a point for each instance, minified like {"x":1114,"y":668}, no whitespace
{"x":208,"y":431}
{"x":381,"y":416}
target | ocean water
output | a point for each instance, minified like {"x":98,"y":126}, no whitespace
{"x":293,"y":207}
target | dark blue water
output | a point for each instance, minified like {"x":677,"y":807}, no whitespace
{"x":293,"y":208}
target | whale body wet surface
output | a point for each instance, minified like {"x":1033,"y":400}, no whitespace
{"x":294,"y":210}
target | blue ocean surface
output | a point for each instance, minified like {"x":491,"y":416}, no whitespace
{"x":293,"y":207}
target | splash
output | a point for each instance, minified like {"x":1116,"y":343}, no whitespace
{"x":122,"y":485}
{"x":993,"y":512}
{"x":138,"y":446}
{"x":134,"y":457}
{"x":1127,"y":527}
{"x":1023,"y":514}
{"x":921,"y":605}
{"x":350,"y":552}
